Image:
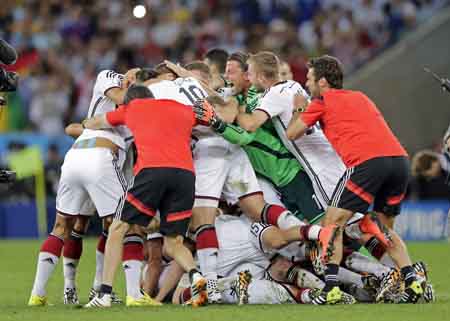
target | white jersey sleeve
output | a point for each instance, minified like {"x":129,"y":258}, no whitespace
{"x":101,"y":104}
{"x":278,"y":100}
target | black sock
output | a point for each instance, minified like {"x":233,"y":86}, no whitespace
{"x":408,"y":274}
{"x":191,"y":274}
{"x":105,"y":289}
{"x":331,"y":273}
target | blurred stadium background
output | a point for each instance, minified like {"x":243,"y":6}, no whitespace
{"x":62,"y":44}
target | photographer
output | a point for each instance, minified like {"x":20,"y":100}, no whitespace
{"x":8,"y":82}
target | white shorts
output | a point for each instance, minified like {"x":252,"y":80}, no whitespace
{"x":90,"y":174}
{"x":271,"y":195}
{"x":223,"y":172}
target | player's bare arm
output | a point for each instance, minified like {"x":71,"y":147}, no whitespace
{"x":74,"y":130}
{"x":96,"y":122}
{"x":251,"y":122}
{"x":228,"y":110}
{"x":296,"y":127}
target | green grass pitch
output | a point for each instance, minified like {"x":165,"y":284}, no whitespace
{"x":18,"y":264}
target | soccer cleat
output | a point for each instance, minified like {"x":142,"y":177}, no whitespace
{"x":114,"y":297}
{"x":327,"y":236}
{"x":214,"y":296}
{"x":244,"y":279}
{"x":327,"y":297}
{"x":428,"y":294}
{"x":101,"y":300}
{"x":371,"y":284}
{"x":371,"y":224}
{"x":389,"y":284}
{"x":306,"y":279}
{"x":199,"y":292}
{"x":36,"y":301}
{"x":347,"y":298}
{"x":144,"y":300}
{"x":412,"y":293}
{"x":71,"y":296}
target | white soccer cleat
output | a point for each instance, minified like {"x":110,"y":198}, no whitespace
{"x":214,"y":296}
{"x":114,"y":297}
{"x":243,"y":282}
{"x":99,"y":301}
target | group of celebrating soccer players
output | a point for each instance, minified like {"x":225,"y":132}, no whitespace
{"x":278,"y":210}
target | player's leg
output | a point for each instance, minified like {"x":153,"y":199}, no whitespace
{"x":176,"y":211}
{"x":48,"y":258}
{"x":132,"y":261}
{"x":211,"y":172}
{"x":136,"y":209}
{"x":387,"y":206}
{"x":69,"y":200}
{"x":99,"y":256}
{"x":153,"y":246}
{"x":73,"y":248}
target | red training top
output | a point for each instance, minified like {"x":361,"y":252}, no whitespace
{"x":161,"y":129}
{"x":353,"y":125}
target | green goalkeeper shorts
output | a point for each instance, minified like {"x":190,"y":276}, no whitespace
{"x":299,"y":197}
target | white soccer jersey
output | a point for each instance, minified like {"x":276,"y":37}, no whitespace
{"x":313,"y":150}
{"x":101,"y":104}
{"x":236,"y":248}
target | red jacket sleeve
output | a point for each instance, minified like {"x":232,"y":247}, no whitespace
{"x":116,"y":117}
{"x":313,"y":112}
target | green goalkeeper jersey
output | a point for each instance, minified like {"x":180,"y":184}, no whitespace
{"x":269,"y":157}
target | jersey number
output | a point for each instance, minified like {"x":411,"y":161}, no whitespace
{"x":193,"y":93}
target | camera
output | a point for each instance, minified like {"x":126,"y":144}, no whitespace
{"x":8,"y":82}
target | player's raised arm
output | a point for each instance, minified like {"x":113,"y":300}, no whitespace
{"x":74,"y":130}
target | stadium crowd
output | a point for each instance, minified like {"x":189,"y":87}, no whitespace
{"x":63,"y":44}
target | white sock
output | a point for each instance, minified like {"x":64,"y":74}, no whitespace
{"x":207,"y":259}
{"x":361,"y":263}
{"x":99,"y":259}
{"x":313,"y":233}
{"x":45,"y":267}
{"x":132,"y":269}
{"x":70,"y":271}
{"x":287,"y":220}
{"x":348,"y":277}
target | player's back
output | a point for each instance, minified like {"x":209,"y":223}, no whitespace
{"x":233,"y":234}
{"x":101,"y":104}
{"x":162,"y":132}
{"x":318,"y":157}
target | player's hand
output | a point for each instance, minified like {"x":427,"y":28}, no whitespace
{"x":177,"y":69}
{"x":204,"y":112}
{"x":129,"y":77}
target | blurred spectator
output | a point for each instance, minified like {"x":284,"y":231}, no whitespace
{"x":52,"y":170}
{"x":64,"y":44}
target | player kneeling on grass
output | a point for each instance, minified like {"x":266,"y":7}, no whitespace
{"x":164,"y":181}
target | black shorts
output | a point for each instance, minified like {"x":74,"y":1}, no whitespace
{"x":381,"y":181}
{"x":169,"y":190}
{"x":299,"y":197}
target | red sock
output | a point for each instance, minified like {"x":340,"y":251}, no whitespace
{"x":206,"y":237}
{"x":102,"y":241}
{"x":271,"y":213}
{"x":73,"y":247}
{"x":375,"y":248}
{"x":53,"y":245}
{"x":133,"y":248}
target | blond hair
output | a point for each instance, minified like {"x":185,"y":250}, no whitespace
{"x":267,"y":63}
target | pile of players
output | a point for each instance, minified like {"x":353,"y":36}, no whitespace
{"x":259,"y":229}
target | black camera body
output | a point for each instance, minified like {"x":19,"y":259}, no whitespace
{"x":8,"y":82}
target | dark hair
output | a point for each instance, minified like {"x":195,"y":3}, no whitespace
{"x":218,"y":57}
{"x":422,"y":162}
{"x":241,"y":58}
{"x":145,"y":74}
{"x":328,"y":67}
{"x":137,"y":91}
{"x":267,"y":63}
